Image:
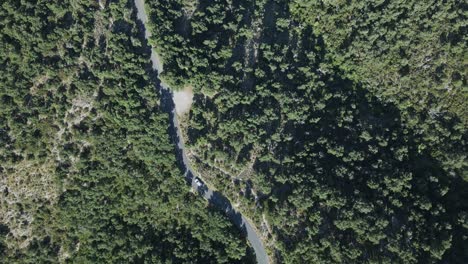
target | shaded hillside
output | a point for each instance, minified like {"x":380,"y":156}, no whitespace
{"x":87,"y":170}
{"x":333,"y":166}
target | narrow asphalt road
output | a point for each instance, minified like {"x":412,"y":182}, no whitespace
{"x":213,"y":197}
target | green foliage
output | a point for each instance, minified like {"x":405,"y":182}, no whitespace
{"x":352,"y":115}
{"x":88,"y":172}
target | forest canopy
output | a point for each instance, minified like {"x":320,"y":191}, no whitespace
{"x":339,"y":127}
{"x":88,"y":172}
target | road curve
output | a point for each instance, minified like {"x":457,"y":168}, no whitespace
{"x":215,"y":198}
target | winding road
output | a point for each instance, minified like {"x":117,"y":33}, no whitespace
{"x":215,"y":198}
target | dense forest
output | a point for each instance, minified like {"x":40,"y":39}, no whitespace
{"x":339,"y":127}
{"x":88,"y":172}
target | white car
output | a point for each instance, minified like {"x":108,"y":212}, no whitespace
{"x":198,"y":182}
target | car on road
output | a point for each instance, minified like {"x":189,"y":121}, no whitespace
{"x":198,"y":182}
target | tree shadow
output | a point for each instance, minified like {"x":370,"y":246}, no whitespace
{"x":167,"y":105}
{"x":344,"y":139}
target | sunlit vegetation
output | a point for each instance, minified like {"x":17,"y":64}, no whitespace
{"x":339,"y":127}
{"x":87,"y":169}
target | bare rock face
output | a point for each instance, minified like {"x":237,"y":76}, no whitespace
{"x":27,"y":182}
